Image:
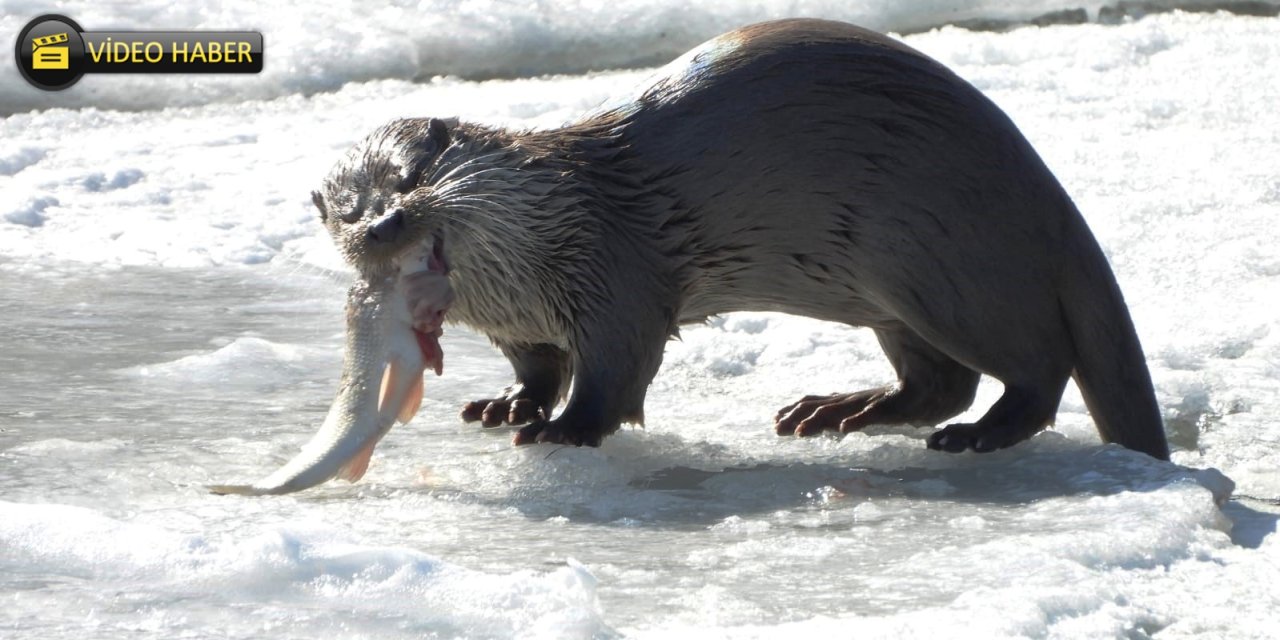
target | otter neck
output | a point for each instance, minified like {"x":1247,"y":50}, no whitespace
{"x":516,"y":226}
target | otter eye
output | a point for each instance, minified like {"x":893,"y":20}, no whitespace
{"x":432,"y":138}
{"x":356,"y":212}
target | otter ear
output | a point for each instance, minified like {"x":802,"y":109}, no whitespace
{"x":318,"y":200}
{"x":434,"y":140}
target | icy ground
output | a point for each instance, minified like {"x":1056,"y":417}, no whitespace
{"x":171,"y":315}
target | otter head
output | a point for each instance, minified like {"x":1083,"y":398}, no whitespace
{"x":367,"y":201}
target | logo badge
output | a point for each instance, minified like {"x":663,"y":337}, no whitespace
{"x":53,"y":52}
{"x":50,"y":52}
{"x":47,"y":56}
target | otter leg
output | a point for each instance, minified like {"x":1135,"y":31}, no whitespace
{"x":542,"y":378}
{"x":613,"y":366}
{"x":1031,"y":354}
{"x":931,"y":388}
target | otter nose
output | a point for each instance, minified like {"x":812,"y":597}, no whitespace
{"x":387,"y":228}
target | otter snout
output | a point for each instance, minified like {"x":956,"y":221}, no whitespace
{"x":386,"y":228}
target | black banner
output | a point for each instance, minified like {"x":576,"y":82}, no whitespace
{"x":53,"y":52}
{"x":172,"y":51}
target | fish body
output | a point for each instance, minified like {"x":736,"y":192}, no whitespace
{"x":388,"y":347}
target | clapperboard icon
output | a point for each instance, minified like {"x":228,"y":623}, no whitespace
{"x":46,"y":56}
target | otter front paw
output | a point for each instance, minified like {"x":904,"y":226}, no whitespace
{"x":558,"y":431}
{"x":510,"y":409}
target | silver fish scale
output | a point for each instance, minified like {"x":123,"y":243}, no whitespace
{"x":353,"y":418}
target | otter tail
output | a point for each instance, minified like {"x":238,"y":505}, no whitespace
{"x":1110,"y":368}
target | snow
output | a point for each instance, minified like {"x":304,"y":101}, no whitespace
{"x":173,"y":318}
{"x":319,"y":47}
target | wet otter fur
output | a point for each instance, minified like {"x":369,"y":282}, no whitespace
{"x":803,"y":166}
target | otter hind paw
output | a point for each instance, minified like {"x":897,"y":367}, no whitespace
{"x":842,"y":412}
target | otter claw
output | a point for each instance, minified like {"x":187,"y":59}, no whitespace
{"x":496,"y":412}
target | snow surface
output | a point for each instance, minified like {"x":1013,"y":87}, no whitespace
{"x":172,"y":316}
{"x":321,"y":46}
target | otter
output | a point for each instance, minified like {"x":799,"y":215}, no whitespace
{"x":803,"y":166}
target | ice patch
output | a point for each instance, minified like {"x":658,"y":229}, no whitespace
{"x":15,"y":161}
{"x":245,"y":361}
{"x":284,"y":565}
{"x":32,"y":213}
{"x":98,"y":181}
{"x":736,"y":524}
{"x":60,"y":446}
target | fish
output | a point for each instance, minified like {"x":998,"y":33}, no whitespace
{"x":393,"y":327}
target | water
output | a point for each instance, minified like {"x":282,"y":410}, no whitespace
{"x":172,"y":317}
